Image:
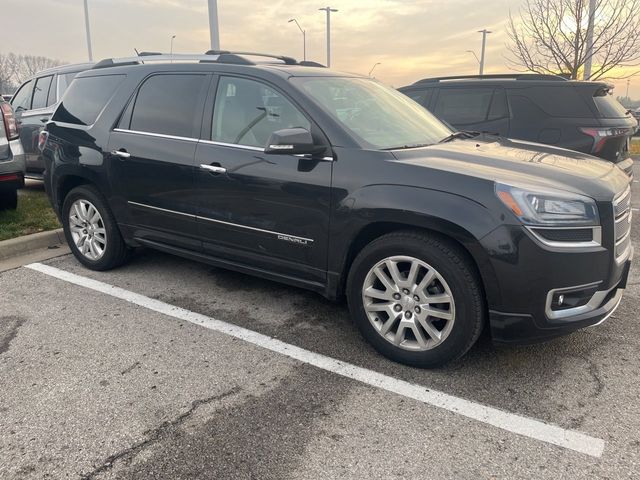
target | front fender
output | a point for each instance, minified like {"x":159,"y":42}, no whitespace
{"x":394,"y":207}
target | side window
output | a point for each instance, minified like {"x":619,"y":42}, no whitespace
{"x":22,"y":98}
{"x":499,"y":108}
{"x":64,"y":80}
{"x":415,"y":95}
{"x":247,"y":112}
{"x":41,"y":92}
{"x":463,"y":106}
{"x":168,"y":104}
{"x":86,"y":98}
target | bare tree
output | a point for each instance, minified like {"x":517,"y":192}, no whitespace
{"x":15,"y":69}
{"x":550,"y":36}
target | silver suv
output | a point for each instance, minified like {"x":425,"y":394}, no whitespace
{"x":34,"y":103}
{"x":12,"y":160}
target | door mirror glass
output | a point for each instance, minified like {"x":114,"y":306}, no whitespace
{"x":293,"y":141}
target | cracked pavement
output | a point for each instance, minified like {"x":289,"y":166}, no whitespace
{"x":94,"y":387}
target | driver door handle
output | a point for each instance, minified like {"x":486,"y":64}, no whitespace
{"x":213,"y":168}
{"x":120,"y":153}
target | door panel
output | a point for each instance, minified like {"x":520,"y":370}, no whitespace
{"x":152,"y":159}
{"x":270,"y":211}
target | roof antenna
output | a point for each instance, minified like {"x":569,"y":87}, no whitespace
{"x":138,"y":54}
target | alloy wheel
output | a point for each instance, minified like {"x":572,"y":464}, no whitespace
{"x":409,"y":303}
{"x":87,"y":229}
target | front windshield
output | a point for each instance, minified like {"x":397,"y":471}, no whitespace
{"x":379,"y":116}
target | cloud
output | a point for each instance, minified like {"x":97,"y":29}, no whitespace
{"x":411,"y":39}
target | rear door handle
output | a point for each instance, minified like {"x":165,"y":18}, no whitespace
{"x":121,"y":153}
{"x":213,"y":168}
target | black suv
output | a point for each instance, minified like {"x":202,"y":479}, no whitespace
{"x":34,"y":103}
{"x":581,"y":116}
{"x":338,"y":184}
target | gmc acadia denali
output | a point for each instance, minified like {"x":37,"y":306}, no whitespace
{"x":338,"y":184}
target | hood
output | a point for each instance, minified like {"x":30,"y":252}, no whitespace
{"x":518,"y":162}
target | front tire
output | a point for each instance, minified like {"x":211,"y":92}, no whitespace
{"x":91,"y":230}
{"x":416,"y":298}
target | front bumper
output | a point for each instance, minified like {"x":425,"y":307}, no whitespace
{"x":523,"y":329}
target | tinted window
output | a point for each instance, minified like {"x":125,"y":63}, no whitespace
{"x":463,"y":106}
{"x":559,"y":100}
{"x":41,"y":91}
{"x":86,"y":98}
{"x":22,"y":98}
{"x":168,"y":104}
{"x":609,"y":107}
{"x":499,"y":107}
{"x":64,"y":80}
{"x":415,"y":95}
{"x":247,"y":112}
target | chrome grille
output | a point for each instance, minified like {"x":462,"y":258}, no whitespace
{"x":622,"y":231}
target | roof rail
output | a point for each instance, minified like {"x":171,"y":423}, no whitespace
{"x":505,"y":76}
{"x":286,"y":60}
{"x":211,"y":56}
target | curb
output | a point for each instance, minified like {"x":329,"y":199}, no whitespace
{"x":28,"y":243}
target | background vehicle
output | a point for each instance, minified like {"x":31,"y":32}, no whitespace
{"x":581,"y":116}
{"x":12,"y":165}
{"x":34,"y":103}
{"x":338,"y":184}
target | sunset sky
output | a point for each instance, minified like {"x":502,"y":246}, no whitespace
{"x":411,"y":38}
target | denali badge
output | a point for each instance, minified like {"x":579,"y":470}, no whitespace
{"x":298,"y":240}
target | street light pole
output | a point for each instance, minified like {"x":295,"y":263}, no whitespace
{"x":214,"y":30}
{"x":589,"y":53}
{"x":373,"y":68}
{"x":171,"y":48}
{"x":304,"y":39}
{"x":328,"y":10}
{"x":484,"y":33}
{"x":86,"y":23}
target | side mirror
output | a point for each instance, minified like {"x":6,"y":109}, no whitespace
{"x":292,"y":141}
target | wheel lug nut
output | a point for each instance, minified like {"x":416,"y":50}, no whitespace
{"x":396,"y":296}
{"x":417,"y":309}
{"x":405,"y":291}
{"x":416,"y":298}
{"x":407,"y":314}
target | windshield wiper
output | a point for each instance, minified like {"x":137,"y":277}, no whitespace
{"x":463,"y":134}
{"x":405,"y":147}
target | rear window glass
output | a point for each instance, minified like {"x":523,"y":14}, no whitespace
{"x":86,"y":98}
{"x":168,"y":104}
{"x":609,"y":107}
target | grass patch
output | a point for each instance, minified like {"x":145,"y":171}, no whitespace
{"x":634,"y":148}
{"x":34,"y":214}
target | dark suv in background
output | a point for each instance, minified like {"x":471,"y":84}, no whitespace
{"x":581,"y":116}
{"x":336,"y":183}
{"x":34,"y":103}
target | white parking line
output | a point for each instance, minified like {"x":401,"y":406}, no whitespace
{"x":511,"y":422}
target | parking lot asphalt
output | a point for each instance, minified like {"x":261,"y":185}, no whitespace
{"x":98,"y":386}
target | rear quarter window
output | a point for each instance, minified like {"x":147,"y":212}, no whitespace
{"x":557,"y":101}
{"x":85,"y":99}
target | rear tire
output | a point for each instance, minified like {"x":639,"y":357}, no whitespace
{"x":416,"y":298}
{"x":91,"y":230}
{"x":9,"y":200}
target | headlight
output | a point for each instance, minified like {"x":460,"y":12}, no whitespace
{"x":548,"y":207}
